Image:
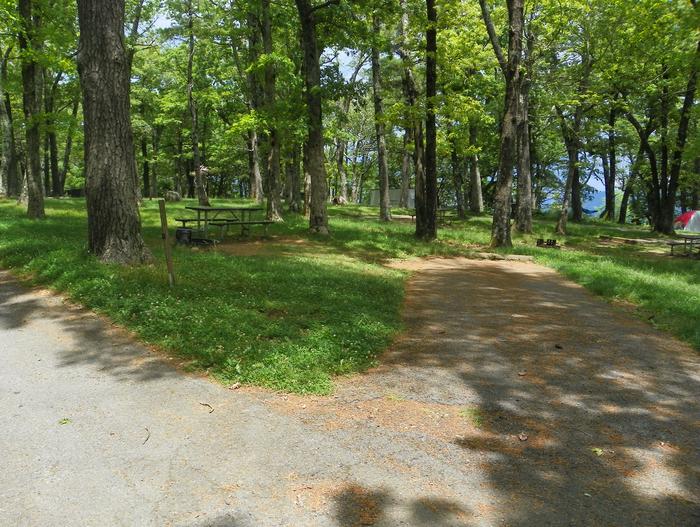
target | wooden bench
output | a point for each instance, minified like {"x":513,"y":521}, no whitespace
{"x":245,"y":225}
{"x":688,"y":245}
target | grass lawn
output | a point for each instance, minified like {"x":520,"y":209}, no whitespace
{"x":307,"y":308}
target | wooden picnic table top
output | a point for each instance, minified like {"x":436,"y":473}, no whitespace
{"x":202,"y":208}
{"x":686,"y":236}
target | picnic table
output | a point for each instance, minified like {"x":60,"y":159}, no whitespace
{"x":223,"y":217}
{"x":687,"y":242}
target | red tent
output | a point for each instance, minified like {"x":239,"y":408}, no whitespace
{"x":689,"y":221}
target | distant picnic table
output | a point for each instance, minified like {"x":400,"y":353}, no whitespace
{"x":223,"y":218}
{"x":687,"y":243}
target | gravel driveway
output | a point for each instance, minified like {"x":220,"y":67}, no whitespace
{"x":514,"y":398}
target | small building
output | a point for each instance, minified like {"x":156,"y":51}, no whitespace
{"x":394,"y":196}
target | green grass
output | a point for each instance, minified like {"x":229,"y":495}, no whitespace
{"x":297,"y":314}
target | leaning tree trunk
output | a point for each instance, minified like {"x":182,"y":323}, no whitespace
{"x":318,"y":214}
{"x":406,"y":167}
{"x":384,"y":198}
{"x":114,"y":226}
{"x":31,"y":98}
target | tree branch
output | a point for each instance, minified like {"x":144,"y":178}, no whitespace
{"x":492,"y":36}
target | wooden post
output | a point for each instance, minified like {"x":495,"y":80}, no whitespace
{"x":166,"y":243}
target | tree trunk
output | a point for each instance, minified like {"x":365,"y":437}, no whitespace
{"x":50,"y":104}
{"x":146,"y":169}
{"x":612,"y":170}
{"x":318,"y":215}
{"x":426,"y":213}
{"x":576,"y":193}
{"x":476,"y":198}
{"x":294,"y":180}
{"x":31,"y":97}
{"x":627,"y":192}
{"x":524,"y":211}
{"x":384,"y":198}
{"x":572,"y":175}
{"x":307,"y":181}
{"x":406,"y":168}
{"x":458,"y":181}
{"x":200,"y":184}
{"x":274,"y":204}
{"x":114,"y":226}
{"x":154,"y":166}
{"x":68,"y":148}
{"x":500,"y":230}
{"x":8,"y":162}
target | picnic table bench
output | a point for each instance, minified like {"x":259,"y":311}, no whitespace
{"x":218,"y":217}
{"x":688,"y":242}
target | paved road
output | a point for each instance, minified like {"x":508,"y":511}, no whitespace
{"x":98,"y":431}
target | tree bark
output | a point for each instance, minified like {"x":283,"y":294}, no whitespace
{"x":524,"y":211}
{"x":458,"y":181}
{"x":500,"y":230}
{"x":612,"y":168}
{"x":49,"y":106}
{"x":406,"y":167}
{"x":200,"y":184}
{"x":114,"y":226}
{"x":274,"y":203}
{"x":146,"y":169}
{"x":476,"y":198}
{"x":154,"y":165}
{"x":69,"y":147}
{"x":384,"y":198}
{"x":8,"y":161}
{"x":294,"y":203}
{"x":31,"y":98}
{"x":318,"y":214}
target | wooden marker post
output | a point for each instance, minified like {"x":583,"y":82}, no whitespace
{"x":166,"y":243}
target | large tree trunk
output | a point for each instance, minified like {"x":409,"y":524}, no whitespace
{"x":476,"y":198}
{"x":274,"y":204}
{"x":426,"y":213}
{"x":318,"y":215}
{"x":500,"y":230}
{"x":384,"y":198}
{"x":200,"y":184}
{"x":31,"y":97}
{"x":114,"y":225}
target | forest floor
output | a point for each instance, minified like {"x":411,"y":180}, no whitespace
{"x":513,"y":397}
